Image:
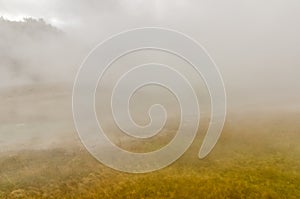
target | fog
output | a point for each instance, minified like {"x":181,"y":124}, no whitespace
{"x":255,"y":44}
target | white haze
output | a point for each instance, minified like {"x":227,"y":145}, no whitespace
{"x":256,"y":45}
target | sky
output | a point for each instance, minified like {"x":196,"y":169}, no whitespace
{"x":255,"y":44}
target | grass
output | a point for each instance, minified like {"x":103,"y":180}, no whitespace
{"x":253,"y":159}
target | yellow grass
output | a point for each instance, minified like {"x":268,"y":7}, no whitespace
{"x":258,"y":157}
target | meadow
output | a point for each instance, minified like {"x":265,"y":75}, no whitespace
{"x":257,"y":156}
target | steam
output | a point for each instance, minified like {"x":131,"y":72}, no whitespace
{"x":255,"y":44}
{"x":34,"y":52}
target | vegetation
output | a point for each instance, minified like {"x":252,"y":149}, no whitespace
{"x":252,"y":160}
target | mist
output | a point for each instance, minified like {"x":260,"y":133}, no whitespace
{"x":255,"y":44}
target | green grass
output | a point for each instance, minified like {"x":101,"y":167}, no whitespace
{"x":258,"y":159}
